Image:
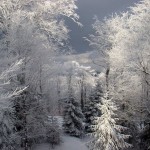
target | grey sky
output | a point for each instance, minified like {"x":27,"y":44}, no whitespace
{"x":87,"y":9}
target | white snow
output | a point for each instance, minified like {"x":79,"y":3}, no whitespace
{"x":69,"y":143}
{"x":58,"y":118}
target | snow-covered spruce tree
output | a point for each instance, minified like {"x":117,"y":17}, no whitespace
{"x":90,"y":110}
{"x":109,"y":40}
{"x":130,"y":69}
{"x":73,"y":116}
{"x":108,"y":134}
{"x":124,"y":40}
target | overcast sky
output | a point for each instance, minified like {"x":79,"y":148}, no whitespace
{"x":86,"y":10}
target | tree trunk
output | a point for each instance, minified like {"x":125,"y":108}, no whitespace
{"x":107,"y":79}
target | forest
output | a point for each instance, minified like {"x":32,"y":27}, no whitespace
{"x":52,"y":98}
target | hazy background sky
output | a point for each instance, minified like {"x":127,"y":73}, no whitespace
{"x":87,"y":9}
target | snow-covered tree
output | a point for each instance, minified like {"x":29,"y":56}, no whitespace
{"x":8,"y":138}
{"x":90,"y":110}
{"x":123,"y":41}
{"x":32,"y":30}
{"x":108,"y":134}
{"x":73,"y":116}
{"x":53,"y":131}
{"x":137,"y":45}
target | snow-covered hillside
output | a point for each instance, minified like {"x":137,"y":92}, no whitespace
{"x":87,"y":61}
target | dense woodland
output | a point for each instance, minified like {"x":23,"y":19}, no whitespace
{"x":109,"y":106}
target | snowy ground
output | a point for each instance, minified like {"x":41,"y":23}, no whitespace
{"x":69,"y":143}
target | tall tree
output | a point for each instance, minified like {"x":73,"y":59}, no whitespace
{"x":32,"y":30}
{"x":108,"y":134}
{"x":73,"y":116}
{"x":8,"y":138}
{"x":123,"y":39}
{"x":91,"y":110}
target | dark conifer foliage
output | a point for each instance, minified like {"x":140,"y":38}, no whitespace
{"x":90,"y":110}
{"x":73,"y":116}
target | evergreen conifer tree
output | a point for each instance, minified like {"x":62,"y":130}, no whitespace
{"x":91,"y":110}
{"x":73,"y":116}
{"x":108,"y":134}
